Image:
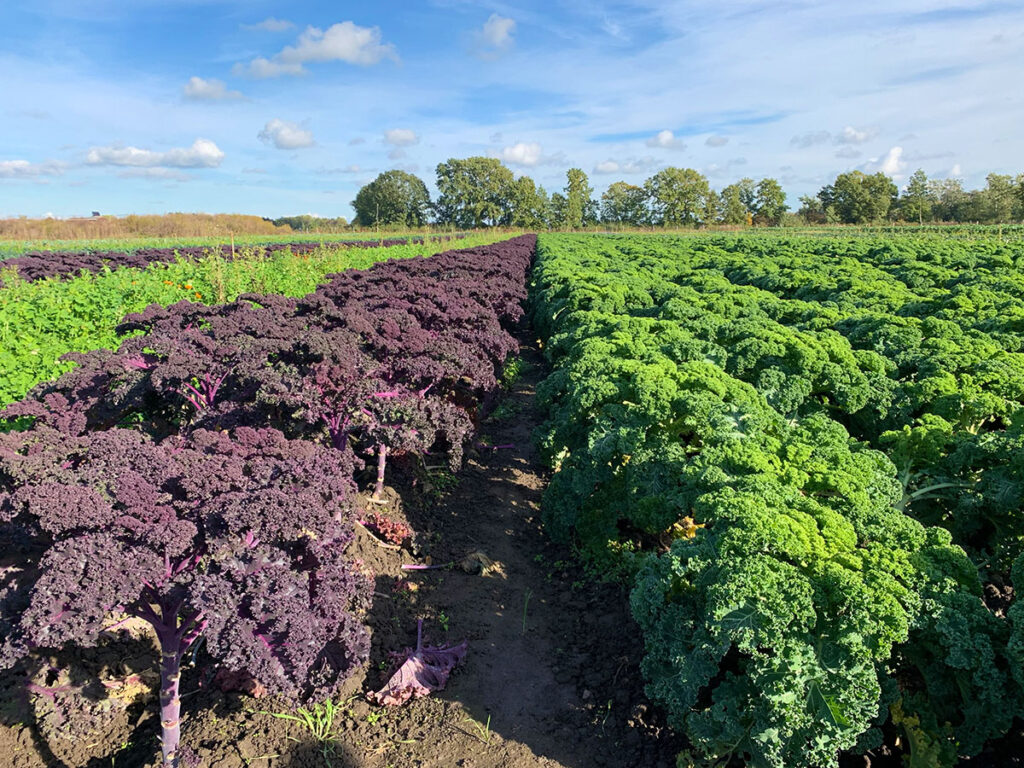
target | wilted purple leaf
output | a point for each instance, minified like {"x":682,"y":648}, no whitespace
{"x":424,"y":670}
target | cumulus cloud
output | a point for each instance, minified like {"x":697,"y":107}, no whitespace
{"x":892,"y":164}
{"x":496,"y":36}
{"x":285,"y":135}
{"x":401,"y":137}
{"x":21,"y":169}
{"x":523,"y":154}
{"x":665,"y":140}
{"x":270,"y":25}
{"x":202,"y":154}
{"x":717,"y":141}
{"x":198,"y":89}
{"x":340,"y":42}
{"x":851,"y":135}
{"x":630,"y":166}
{"x":810,"y":139}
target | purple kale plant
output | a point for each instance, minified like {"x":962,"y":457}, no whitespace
{"x":237,"y":537}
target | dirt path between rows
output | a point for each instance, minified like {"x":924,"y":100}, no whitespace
{"x":550,"y":677}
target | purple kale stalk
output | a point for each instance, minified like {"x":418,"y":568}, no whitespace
{"x":238,"y":537}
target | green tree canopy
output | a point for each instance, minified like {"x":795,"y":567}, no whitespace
{"x":916,"y":201}
{"x":578,"y":199}
{"x":529,"y":205}
{"x":678,"y":196}
{"x":857,"y":198}
{"x":736,"y":202}
{"x":624,"y":203}
{"x":474,"y":192}
{"x":769,"y":204}
{"x":394,"y":197}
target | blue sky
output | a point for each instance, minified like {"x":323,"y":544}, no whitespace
{"x":273,"y":108}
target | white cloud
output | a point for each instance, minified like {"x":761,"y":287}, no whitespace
{"x":523,"y":154}
{"x":495,"y":38}
{"x":665,"y":140}
{"x":285,"y":135}
{"x":202,"y":154}
{"x":20,"y":169}
{"x":340,"y":42}
{"x":198,"y":89}
{"x":157,"y":174}
{"x":809,"y":139}
{"x":717,"y":141}
{"x":630,"y":166}
{"x":396,"y":154}
{"x":851,"y":135}
{"x":270,"y":25}
{"x":497,"y":33}
{"x":891,"y":165}
{"x":261,"y":69}
{"x":955,"y":170}
{"x":348,"y":169}
{"x":848,"y":153}
{"x":401,"y":137}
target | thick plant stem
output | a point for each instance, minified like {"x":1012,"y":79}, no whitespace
{"x":170,"y":702}
{"x":382,"y":458}
{"x":174,"y":639}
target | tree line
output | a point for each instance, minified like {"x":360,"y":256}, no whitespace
{"x":481,"y":192}
{"x":477,"y":192}
{"x":859,"y":198}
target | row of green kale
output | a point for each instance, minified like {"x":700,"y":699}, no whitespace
{"x":795,"y":448}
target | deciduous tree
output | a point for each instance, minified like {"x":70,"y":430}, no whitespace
{"x":394,"y":197}
{"x":474,"y":192}
{"x":678,"y":196}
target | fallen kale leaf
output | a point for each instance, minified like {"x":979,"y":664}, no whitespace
{"x":424,"y":670}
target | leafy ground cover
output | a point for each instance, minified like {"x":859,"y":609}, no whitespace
{"x":37,"y":265}
{"x":128,"y":245}
{"x":799,"y":453}
{"x":43,"y":320}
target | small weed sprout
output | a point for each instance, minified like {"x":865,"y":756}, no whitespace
{"x":483,"y":732}
{"x":526,"y":603}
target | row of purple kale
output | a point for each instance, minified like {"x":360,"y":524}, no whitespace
{"x":37,"y":265}
{"x":201,"y":478}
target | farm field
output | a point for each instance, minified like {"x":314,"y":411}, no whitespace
{"x":689,"y":500}
{"x":50,"y":313}
{"x":10,"y":248}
